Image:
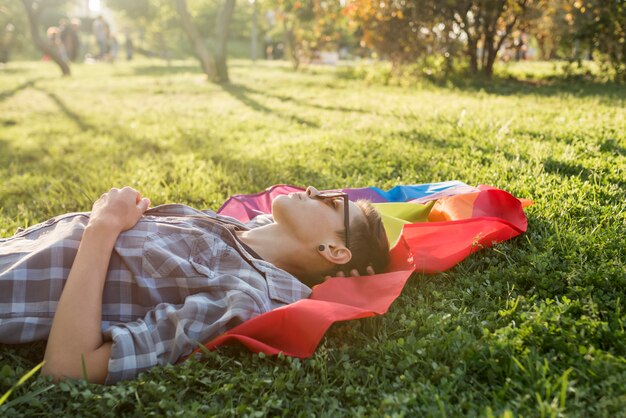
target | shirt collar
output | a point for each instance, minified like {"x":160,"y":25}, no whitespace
{"x":283,"y":286}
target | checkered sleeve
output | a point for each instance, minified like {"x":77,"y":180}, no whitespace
{"x":169,"y":332}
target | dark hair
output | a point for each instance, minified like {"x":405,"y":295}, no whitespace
{"x":368,"y":241}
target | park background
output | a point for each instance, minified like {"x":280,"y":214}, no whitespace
{"x":223,"y":97}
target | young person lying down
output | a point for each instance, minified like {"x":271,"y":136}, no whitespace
{"x":124,"y":288}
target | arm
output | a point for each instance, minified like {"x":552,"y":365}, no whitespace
{"x":76,"y":326}
{"x":170,"y":332}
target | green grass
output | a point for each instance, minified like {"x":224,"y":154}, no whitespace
{"x":532,"y":327}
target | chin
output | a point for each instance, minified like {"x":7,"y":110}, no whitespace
{"x":278,"y":205}
{"x":287,"y":210}
{"x":279,"y":201}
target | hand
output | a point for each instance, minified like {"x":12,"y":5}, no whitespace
{"x":118,"y":209}
{"x":354,"y":273}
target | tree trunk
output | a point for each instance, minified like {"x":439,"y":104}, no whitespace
{"x":223,"y":25}
{"x":491,"y":59}
{"x":489,"y":49}
{"x":541,"y":45}
{"x":493,"y":50}
{"x":489,"y":31}
{"x":207,"y":62}
{"x":33,"y":9}
{"x":472,"y":51}
{"x":483,"y":53}
{"x":472,"y":41}
{"x":290,"y":41}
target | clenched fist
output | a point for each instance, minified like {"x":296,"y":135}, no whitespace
{"x":118,"y":209}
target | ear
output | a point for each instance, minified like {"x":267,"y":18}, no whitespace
{"x":336,"y":254}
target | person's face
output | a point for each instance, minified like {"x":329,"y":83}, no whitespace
{"x":314,"y":220}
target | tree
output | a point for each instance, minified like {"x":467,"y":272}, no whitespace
{"x":205,"y":23}
{"x":14,"y":35}
{"x":222,"y":32}
{"x":310,"y":26}
{"x":410,"y":29}
{"x":603,"y":28}
{"x":207,"y":61}
{"x":399,"y":31}
{"x":486,"y":24}
{"x":33,"y":11}
{"x":547,"y":21}
{"x":215,"y":67}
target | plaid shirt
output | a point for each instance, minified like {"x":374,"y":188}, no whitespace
{"x":176,"y":278}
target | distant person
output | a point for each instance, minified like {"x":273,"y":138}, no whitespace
{"x":64,"y":32}
{"x":128,"y":45}
{"x":100,"y":28}
{"x":113,"y":48}
{"x":6,"y":43}
{"x":70,"y":38}
{"x":279,"y":51}
{"x":54,"y":40}
{"x":267,"y":47}
{"x":521,"y":46}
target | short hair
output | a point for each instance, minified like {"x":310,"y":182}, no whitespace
{"x":368,"y":241}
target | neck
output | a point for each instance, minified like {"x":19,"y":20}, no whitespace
{"x":277,"y":246}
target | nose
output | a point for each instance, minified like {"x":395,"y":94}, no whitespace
{"x":312,"y":192}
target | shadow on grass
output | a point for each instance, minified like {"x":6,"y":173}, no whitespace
{"x":26,"y":355}
{"x":68,"y":112}
{"x":611,"y":92}
{"x":4,"y":151}
{"x":300,"y":102}
{"x":242,"y":93}
{"x":570,"y":169}
{"x":8,"y":93}
{"x":416,"y":136}
{"x":175,"y":67}
{"x":12,"y":69}
{"x":134,"y":144}
{"x":259,"y":172}
{"x":611,"y":146}
{"x":161,"y":70}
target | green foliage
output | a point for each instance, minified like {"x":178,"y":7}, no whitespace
{"x":530,"y":327}
{"x":158,"y":23}
{"x":17,"y":37}
{"x":20,"y":382}
{"x":409,"y":31}
{"x":603,"y":28}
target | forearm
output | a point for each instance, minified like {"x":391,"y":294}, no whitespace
{"x":76,"y":327}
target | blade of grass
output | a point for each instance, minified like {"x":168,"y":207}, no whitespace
{"x":20,"y":382}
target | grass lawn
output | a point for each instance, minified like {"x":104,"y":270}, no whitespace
{"x":532,"y":327}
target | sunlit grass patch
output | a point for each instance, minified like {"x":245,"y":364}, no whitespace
{"x":534,"y":326}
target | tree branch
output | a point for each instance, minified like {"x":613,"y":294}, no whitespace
{"x":33,"y":11}
{"x":207,"y":62}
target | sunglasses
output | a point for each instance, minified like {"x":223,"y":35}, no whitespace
{"x":332,"y":195}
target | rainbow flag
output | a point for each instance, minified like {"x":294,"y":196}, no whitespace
{"x":431,"y":227}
